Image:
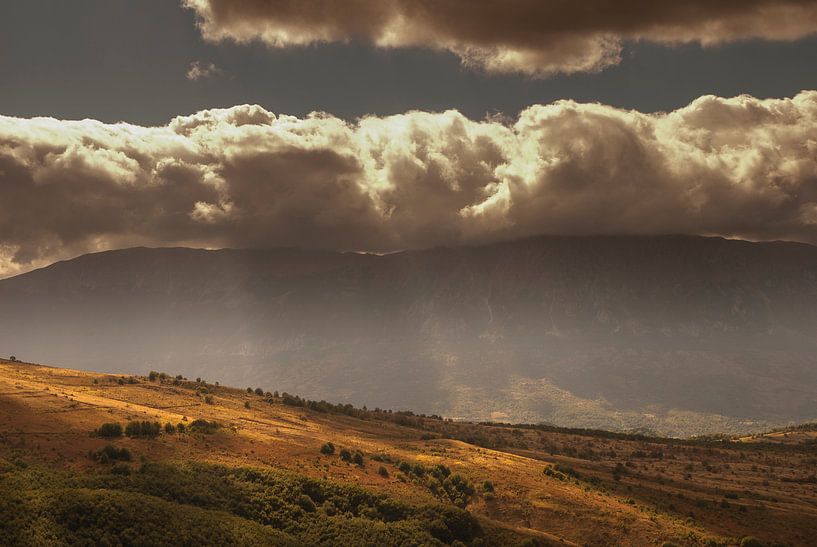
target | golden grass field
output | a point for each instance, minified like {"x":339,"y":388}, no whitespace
{"x":617,"y":491}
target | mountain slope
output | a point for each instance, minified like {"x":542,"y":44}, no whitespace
{"x":263,"y":476}
{"x":681,"y":335}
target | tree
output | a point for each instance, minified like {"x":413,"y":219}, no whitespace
{"x":345,"y":455}
{"x":12,"y":358}
{"x":153,"y":375}
{"x":357,"y":458}
{"x":143,"y":429}
{"x":170,"y":429}
{"x":109,"y":430}
{"x":259,"y":392}
{"x":328,"y":449}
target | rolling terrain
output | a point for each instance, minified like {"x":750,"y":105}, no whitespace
{"x":252,"y":465}
{"x":675,"y":335}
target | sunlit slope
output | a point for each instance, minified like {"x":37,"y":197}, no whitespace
{"x":598,"y":489}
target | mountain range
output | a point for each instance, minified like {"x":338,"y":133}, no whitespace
{"x":677,"y":335}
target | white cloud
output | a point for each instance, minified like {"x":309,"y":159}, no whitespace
{"x":242,"y":176}
{"x":200,"y":70}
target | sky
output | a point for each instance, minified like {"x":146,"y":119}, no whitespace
{"x":377,"y":125}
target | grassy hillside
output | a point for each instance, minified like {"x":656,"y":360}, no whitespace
{"x":221,"y":465}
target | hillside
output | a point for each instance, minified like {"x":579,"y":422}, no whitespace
{"x":672,"y":334}
{"x":261,"y":476}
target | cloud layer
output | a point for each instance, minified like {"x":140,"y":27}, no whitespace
{"x":244,"y":177}
{"x":534,"y":37}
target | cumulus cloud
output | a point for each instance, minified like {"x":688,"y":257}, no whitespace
{"x":245,"y":177}
{"x":200,"y":70}
{"x":534,"y":37}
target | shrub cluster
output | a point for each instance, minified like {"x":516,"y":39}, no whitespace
{"x":109,"y":430}
{"x":143,"y":429}
{"x":111,"y":453}
{"x":198,"y":504}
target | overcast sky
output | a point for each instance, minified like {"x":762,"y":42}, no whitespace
{"x":128,"y":60}
{"x":446,"y":122}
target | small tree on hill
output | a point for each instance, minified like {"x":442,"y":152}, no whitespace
{"x":109,"y":430}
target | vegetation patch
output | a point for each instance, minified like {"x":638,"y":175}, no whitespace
{"x":189,"y":504}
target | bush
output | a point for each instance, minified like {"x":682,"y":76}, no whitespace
{"x":488,"y":486}
{"x":383,"y":472}
{"x":121,"y":469}
{"x":201,"y":504}
{"x":170,"y":429}
{"x":203,"y":426}
{"x":247,"y":405}
{"x":109,"y":430}
{"x":180,"y":427}
{"x":750,"y":541}
{"x":111,"y":453}
{"x":153,"y":375}
{"x":357,"y":458}
{"x":259,"y":392}
{"x":458,"y":489}
{"x":208,"y":399}
{"x":143,"y":429}
{"x":345,"y":455}
{"x":328,"y":449}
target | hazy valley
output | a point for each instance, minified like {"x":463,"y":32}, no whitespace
{"x":675,"y":335}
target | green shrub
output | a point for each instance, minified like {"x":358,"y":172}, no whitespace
{"x":201,"y":504}
{"x":328,"y":449}
{"x":121,"y":469}
{"x":203,"y":426}
{"x":109,"y":430}
{"x":143,"y":429}
{"x":111,"y":453}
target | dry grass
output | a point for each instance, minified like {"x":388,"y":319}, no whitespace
{"x":691,"y":494}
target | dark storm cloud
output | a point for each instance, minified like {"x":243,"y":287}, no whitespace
{"x":245,"y":177}
{"x":534,"y":37}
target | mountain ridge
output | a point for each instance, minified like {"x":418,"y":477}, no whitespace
{"x":666,"y":333}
